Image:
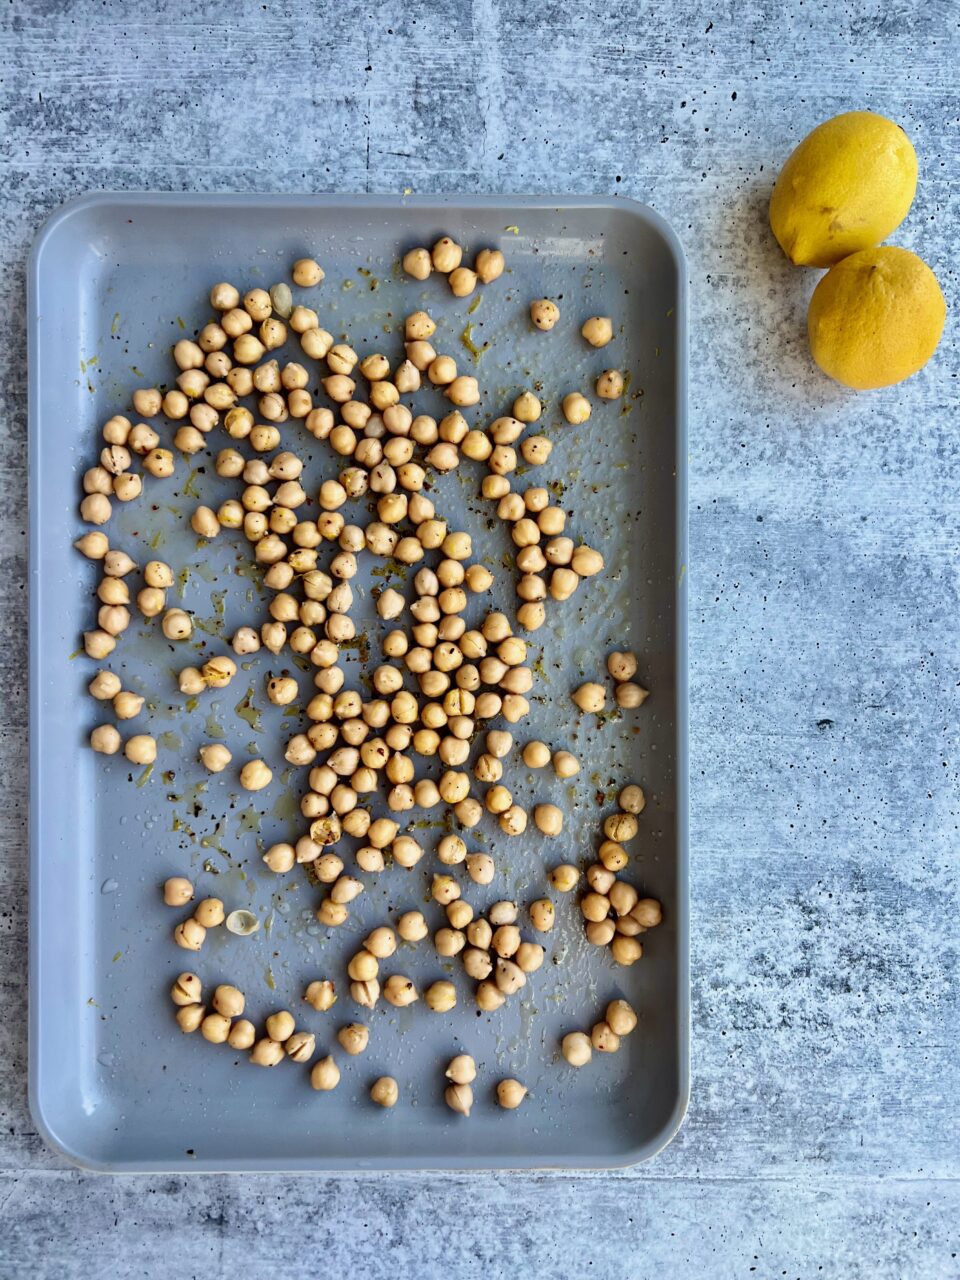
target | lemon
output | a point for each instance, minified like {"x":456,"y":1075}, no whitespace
{"x":846,"y":187}
{"x":876,"y":318}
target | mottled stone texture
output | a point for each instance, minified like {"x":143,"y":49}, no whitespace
{"x":823,"y":1137}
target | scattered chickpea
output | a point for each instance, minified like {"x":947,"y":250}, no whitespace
{"x":510,"y":1093}
{"x":140,"y":749}
{"x":255,"y":775}
{"x":229,"y":1001}
{"x":620,"y":827}
{"x":300,"y":1046}
{"x":564,"y":878}
{"x":590,"y":697}
{"x":243,"y":1034}
{"x":354,"y":1038}
{"x":325,"y":1074}
{"x":177,"y":891}
{"x":459,"y":1098}
{"x":576,"y":1048}
{"x":209,"y":913}
{"x":603,"y":1038}
{"x":489,"y":265}
{"x":598,"y":330}
{"x":536,"y":755}
{"x":576,"y":408}
{"x":400,"y":991}
{"x":385,"y":1091}
{"x":632,"y":799}
{"x":620,"y":1017}
{"x":565,"y":764}
{"x":446,"y":255}
{"x":190,"y":1016}
{"x":215,"y":756}
{"x":441,"y":996}
{"x":321,"y":995}
{"x":266,"y":1053}
{"x":622,"y":666}
{"x":105,"y":740}
{"x":630,"y":696}
{"x":417,"y":263}
{"x":307,"y":273}
{"x":542,"y":915}
{"x":190,"y":935}
{"x":610,"y":384}
{"x":544,"y":313}
{"x":462,"y":1069}
{"x":549,"y":819}
{"x":625,"y":951}
{"x":187,"y":989}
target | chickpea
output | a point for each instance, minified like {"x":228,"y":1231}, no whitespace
{"x":527,"y":407}
{"x":459,"y":914}
{"x":243,"y":1035}
{"x":385,"y":1091}
{"x":610,"y":384}
{"x":446,"y":255}
{"x":417,"y":263}
{"x":382,"y":942}
{"x":354,"y":1038}
{"x":509,"y":977}
{"x":513,"y":822}
{"x":325,"y":1074}
{"x":177,"y":625}
{"x":595,"y":907}
{"x":186,"y":990}
{"x":603,"y":1038}
{"x":190,"y":935}
{"x":536,"y":754}
{"x":647,"y":913}
{"x":462,"y":1069}
{"x":506,"y":940}
{"x":462,"y":281}
{"x":529,"y":957}
{"x":630,"y":696}
{"x":105,"y":686}
{"x":625,"y":950}
{"x":542,"y":912}
{"x":600,"y":879}
{"x":306,"y":272}
{"x":510,"y":1093}
{"x":105,"y":740}
{"x":480,"y":934}
{"x":93,"y":545}
{"x":147,"y":401}
{"x":586,"y":562}
{"x":462,"y":391}
{"x":321,"y":995}
{"x":445,"y":889}
{"x":228,"y":1001}
{"x":459,"y":1098}
{"x":190,"y":1016}
{"x":140,"y":749}
{"x":622,"y":666}
{"x":95,"y":508}
{"x":576,"y":408}
{"x":565,"y":764}
{"x":620,"y":827}
{"x":590,"y":697}
{"x":576,"y":1048}
{"x":449,"y":942}
{"x":159,"y":463}
{"x":489,"y":996}
{"x":620,"y":1018}
{"x":598,"y":330}
{"x":564,"y":878}
{"x":209,"y":913}
{"x":215,"y":757}
{"x":477,"y":964}
{"x":412,"y":927}
{"x":98,"y":644}
{"x":544,"y":313}
{"x":613,"y":856}
{"x":442,"y":371}
{"x":489,"y":265}
{"x":255,"y":775}
{"x":266,"y":1053}
{"x":177,"y":891}
{"x":441,"y":997}
{"x":549,"y":819}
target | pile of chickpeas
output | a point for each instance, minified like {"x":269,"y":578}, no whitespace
{"x":441,"y":682}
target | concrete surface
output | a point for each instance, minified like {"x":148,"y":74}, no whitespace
{"x":823,"y":1136}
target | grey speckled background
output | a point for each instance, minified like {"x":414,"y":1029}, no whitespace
{"x":823,"y":1135}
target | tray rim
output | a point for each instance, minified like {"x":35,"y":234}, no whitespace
{"x":630,"y":1156}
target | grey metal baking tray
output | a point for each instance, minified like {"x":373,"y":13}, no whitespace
{"x":114,"y":280}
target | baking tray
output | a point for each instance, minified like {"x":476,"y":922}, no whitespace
{"x":114,"y":280}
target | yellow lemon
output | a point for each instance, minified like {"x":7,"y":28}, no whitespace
{"x":846,"y":187}
{"x":876,"y":318}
